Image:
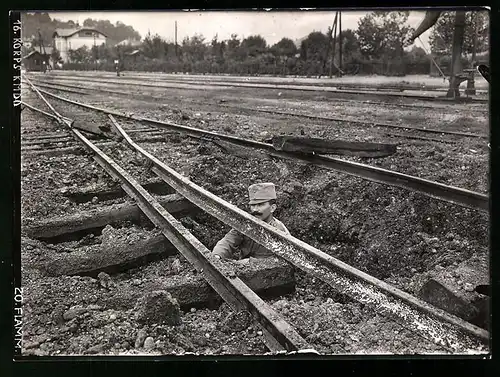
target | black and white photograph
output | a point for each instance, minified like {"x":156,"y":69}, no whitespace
{"x":254,"y":183}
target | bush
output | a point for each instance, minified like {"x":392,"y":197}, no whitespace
{"x":265,"y":65}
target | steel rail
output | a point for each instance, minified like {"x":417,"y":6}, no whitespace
{"x":52,"y":81}
{"x":435,"y":190}
{"x":434,"y":324}
{"x":287,"y":113}
{"x":54,"y":117}
{"x":373,"y":124}
{"x":268,"y":80}
{"x":331,"y":89}
{"x":60,"y":87}
{"x":44,"y":140}
{"x":411,"y":137}
{"x":278,"y":334}
{"x":312,"y":88}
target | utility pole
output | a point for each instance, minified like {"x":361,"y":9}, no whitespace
{"x":95,"y":52}
{"x":340,"y":44}
{"x":43,"y":54}
{"x":329,"y":42}
{"x":333,"y":45}
{"x":456,"y":63}
{"x":176,"y":39}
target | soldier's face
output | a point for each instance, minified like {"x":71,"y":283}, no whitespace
{"x":262,"y":210}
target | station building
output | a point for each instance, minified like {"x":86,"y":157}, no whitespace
{"x":72,"y":39}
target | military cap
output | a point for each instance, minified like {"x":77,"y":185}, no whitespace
{"x":261,"y":192}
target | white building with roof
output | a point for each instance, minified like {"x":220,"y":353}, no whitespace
{"x":72,"y":39}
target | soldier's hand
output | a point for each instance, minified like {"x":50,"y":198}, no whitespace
{"x":244,"y":261}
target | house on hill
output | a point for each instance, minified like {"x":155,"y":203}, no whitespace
{"x":72,"y":39}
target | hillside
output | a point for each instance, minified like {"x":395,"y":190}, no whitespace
{"x":31,"y":22}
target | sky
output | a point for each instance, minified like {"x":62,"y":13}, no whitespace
{"x":271,"y":25}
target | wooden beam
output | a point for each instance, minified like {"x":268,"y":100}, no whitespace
{"x":326,"y":146}
{"x":100,"y":217}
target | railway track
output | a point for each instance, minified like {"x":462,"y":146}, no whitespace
{"x":432,"y":189}
{"x":434,"y":324}
{"x":190,"y":85}
{"x":52,"y":80}
{"x":278,"y":334}
{"x":54,"y":144}
{"x":412,"y":136}
{"x":352,"y":89}
{"x":315,"y":82}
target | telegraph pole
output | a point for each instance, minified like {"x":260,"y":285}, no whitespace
{"x":328,"y":45}
{"x":340,"y":44}
{"x":334,"y":43}
{"x":176,"y":39}
{"x":95,"y":52}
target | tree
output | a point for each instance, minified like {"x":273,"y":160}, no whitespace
{"x":284,"y":50}
{"x":170,"y":52}
{"x":43,"y":18}
{"x":80,"y":55}
{"x":314,"y":46}
{"x":94,"y":52}
{"x":194,"y":48}
{"x":350,"y":44}
{"x":55,"y":55}
{"x":313,"y":51}
{"x":217,"y":51}
{"x":233,"y":48}
{"x":104,"y":53}
{"x":153,"y":46}
{"x":285,"y":47}
{"x":418,"y":52}
{"x":476,"y":25}
{"x":382,"y":34}
{"x":254,"y":45}
{"x":89,"y":22}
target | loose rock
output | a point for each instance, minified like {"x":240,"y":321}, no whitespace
{"x":149,"y":343}
{"x":238,"y":321}
{"x":141,"y":337}
{"x":58,"y":315}
{"x":73,"y":312}
{"x":176,"y":266}
{"x":98,"y":348}
{"x":105,"y":280}
{"x":158,"y":307}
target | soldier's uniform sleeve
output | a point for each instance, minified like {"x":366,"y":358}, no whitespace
{"x":284,"y":229}
{"x":278,"y":224}
{"x":226,"y":248}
